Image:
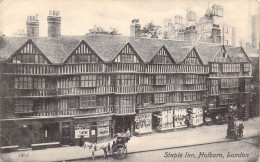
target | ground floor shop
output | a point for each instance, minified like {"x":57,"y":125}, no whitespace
{"x":30,"y":132}
{"x":167,"y":118}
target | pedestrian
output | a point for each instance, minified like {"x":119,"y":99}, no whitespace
{"x":128,"y":134}
{"x":81,"y":141}
{"x":240,"y":130}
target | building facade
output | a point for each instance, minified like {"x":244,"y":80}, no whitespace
{"x":56,"y":89}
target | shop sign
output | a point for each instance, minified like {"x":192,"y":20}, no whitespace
{"x":82,"y":132}
{"x":103,"y":131}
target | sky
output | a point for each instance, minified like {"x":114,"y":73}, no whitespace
{"x":78,"y":16}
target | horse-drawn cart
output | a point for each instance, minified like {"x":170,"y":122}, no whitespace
{"x":119,"y":148}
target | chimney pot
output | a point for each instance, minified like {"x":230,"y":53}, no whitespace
{"x":50,"y":12}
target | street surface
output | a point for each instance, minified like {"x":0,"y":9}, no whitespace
{"x":177,"y":139}
{"x":247,"y":150}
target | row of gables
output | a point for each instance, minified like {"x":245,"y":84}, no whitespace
{"x":83,"y":49}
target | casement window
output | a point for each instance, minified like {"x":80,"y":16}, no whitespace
{"x":148,"y":98}
{"x":159,"y":98}
{"x":39,"y":83}
{"x":88,"y":80}
{"x":111,"y":100}
{"x":100,"y":80}
{"x":147,"y":80}
{"x":126,"y":100}
{"x":231,"y":67}
{"x":73,"y":102}
{"x":190,"y":96}
{"x":73,"y":81}
{"x":29,"y":58}
{"x":214,"y":67}
{"x":202,"y":79}
{"x":90,"y":58}
{"x":191,"y":79}
{"x":247,"y":67}
{"x":127,"y":79}
{"x":87,"y":101}
{"x":213,"y":88}
{"x":100,"y":100}
{"x":127,"y":58}
{"x":23,"y":106}
{"x":167,"y":97}
{"x":191,"y":58}
{"x":40,"y":105}
{"x":160,"y":79}
{"x":161,"y":59}
{"x":23,"y":82}
{"x":229,"y":82}
{"x":124,"y":79}
{"x":176,"y":97}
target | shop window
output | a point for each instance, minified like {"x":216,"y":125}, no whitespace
{"x":23,"y":106}
{"x":73,"y":102}
{"x":159,"y":98}
{"x":23,"y":82}
{"x":87,"y":101}
{"x":103,"y":131}
{"x":88,"y":80}
{"x":160,"y":79}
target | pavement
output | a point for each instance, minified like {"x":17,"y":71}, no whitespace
{"x":155,"y":141}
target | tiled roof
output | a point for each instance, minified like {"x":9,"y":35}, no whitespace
{"x":232,"y":51}
{"x":207,"y":51}
{"x":107,"y":47}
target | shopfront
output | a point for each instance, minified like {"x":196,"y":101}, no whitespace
{"x":28,"y":132}
{"x":165,"y":120}
{"x":143,"y":123}
{"x":92,"y":129}
{"x":180,"y":117}
{"x":197,"y":116}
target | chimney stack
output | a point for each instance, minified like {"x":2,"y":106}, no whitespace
{"x":54,"y":22}
{"x":32,"y":24}
{"x":135,"y":28}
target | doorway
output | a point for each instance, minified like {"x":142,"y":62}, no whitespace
{"x":66,"y":133}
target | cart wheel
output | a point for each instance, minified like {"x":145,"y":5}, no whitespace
{"x":119,"y":151}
